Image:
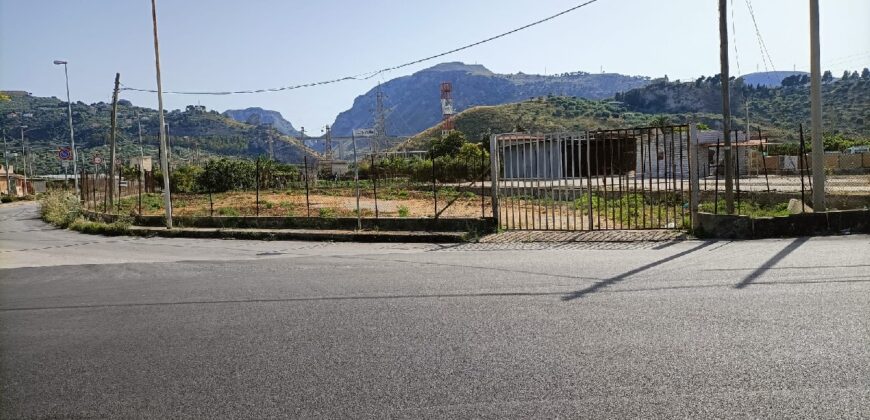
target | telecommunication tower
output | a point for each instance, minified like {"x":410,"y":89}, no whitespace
{"x":380,"y":121}
{"x":446,"y":108}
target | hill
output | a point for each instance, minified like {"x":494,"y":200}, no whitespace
{"x":778,"y":111}
{"x":258,"y":116}
{"x":413,"y":103}
{"x":194,"y":133}
{"x":769,"y":78}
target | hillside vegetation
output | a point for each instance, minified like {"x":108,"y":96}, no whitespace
{"x":194,"y":133}
{"x":777,"y":111}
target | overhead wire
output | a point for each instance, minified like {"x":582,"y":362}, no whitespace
{"x":371,"y":74}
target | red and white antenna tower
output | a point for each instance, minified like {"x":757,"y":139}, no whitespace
{"x":446,"y":108}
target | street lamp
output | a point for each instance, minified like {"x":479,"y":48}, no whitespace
{"x":72,"y":138}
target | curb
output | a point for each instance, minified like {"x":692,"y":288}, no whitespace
{"x":300,"y":235}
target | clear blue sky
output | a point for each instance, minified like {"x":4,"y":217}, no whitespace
{"x":234,"y":45}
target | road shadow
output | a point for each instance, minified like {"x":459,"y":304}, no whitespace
{"x":613,"y":280}
{"x":795,"y":244}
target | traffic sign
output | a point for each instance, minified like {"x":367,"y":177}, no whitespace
{"x":64,"y":153}
{"x":364,"y":132}
{"x":64,"y":164}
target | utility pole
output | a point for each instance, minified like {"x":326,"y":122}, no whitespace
{"x":271,"y":145}
{"x":112,"y":134}
{"x":380,"y":121}
{"x":72,"y":138}
{"x":164,"y":160}
{"x":24,"y":156}
{"x":816,"y":111}
{"x":141,"y":148}
{"x":726,"y":106}
{"x":6,"y":165}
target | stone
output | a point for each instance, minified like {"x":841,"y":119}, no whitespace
{"x":794,"y":207}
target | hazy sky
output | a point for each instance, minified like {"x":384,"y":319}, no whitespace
{"x":218,"y":45}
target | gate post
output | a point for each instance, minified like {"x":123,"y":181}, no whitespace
{"x":494,"y":166}
{"x":694,"y":180}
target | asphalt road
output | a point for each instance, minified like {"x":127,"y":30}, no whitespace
{"x":95,"y":327}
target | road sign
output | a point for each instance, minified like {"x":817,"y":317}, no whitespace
{"x":364,"y":132}
{"x":64,"y":153}
{"x":97,"y":159}
{"x":64,"y":164}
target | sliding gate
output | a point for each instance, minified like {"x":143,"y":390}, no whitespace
{"x":592,"y":180}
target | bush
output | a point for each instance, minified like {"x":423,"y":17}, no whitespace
{"x":228,"y":211}
{"x":119,"y":227}
{"x":60,"y":208}
{"x":6,"y":199}
{"x":326,"y":212}
{"x":404,"y":211}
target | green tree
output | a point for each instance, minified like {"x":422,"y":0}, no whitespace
{"x":827,"y":77}
{"x":447,"y":146}
{"x":865,"y":74}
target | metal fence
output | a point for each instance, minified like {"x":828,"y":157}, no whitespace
{"x":593,"y":180}
{"x":379,"y":186}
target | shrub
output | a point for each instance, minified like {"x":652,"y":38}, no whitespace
{"x":228,"y":211}
{"x":60,"y":208}
{"x":404,"y":211}
{"x":6,"y":199}
{"x":326,"y":212}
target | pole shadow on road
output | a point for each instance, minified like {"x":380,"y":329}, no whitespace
{"x":795,"y":244}
{"x":613,"y":280}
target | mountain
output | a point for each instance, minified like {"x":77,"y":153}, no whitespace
{"x":769,"y":78}
{"x":845,"y":108}
{"x":777,"y":111}
{"x":257,"y":116}
{"x":413,"y":103}
{"x":194,"y":133}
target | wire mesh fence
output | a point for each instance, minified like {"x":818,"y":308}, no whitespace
{"x":776,"y":179}
{"x":378,"y":186}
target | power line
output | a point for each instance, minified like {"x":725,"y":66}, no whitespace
{"x":765,"y":55}
{"x":734,"y":37}
{"x":369,"y":75}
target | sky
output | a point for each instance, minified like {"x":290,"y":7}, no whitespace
{"x":220,"y":45}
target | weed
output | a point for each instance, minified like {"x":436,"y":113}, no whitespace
{"x":327,"y":212}
{"x":228,"y":211}
{"x":404,"y":211}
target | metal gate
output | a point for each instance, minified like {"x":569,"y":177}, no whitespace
{"x":592,"y":180}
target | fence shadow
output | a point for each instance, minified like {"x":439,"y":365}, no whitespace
{"x":795,"y":244}
{"x":613,"y":280}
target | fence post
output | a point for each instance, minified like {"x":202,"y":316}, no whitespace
{"x":307,"y":202}
{"x":356,"y":181}
{"x":800,"y":169}
{"x":716,"y":183}
{"x":694,"y":181}
{"x":120,"y":172}
{"x":482,"y":180}
{"x":434,"y":186}
{"x":493,"y":177}
{"x":139,"y":179}
{"x":375,"y":183}
{"x":763,"y":160}
{"x":257,"y":185}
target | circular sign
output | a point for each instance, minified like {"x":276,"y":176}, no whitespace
{"x":64,"y":153}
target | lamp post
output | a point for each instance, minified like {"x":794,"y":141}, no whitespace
{"x":72,"y":139}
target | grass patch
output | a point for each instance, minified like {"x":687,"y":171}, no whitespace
{"x":327,"y":212}
{"x":119,"y":227}
{"x":60,"y":208}
{"x":404,"y":211}
{"x":746,"y":208}
{"x":227,"y":211}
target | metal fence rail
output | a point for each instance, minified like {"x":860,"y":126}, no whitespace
{"x":593,"y":180}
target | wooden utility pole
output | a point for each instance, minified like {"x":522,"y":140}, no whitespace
{"x":112,"y":153}
{"x":726,"y":106}
{"x":164,"y":158}
{"x":816,"y":111}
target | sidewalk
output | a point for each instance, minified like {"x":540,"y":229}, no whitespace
{"x":524,"y":236}
{"x":301,"y":234}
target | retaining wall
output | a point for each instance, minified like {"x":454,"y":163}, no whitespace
{"x":806,"y":224}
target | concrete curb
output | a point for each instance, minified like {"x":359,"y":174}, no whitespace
{"x":301,"y":235}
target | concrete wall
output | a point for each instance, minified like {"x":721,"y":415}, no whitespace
{"x":480,"y":225}
{"x":807,"y":224}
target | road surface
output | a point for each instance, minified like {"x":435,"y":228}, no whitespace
{"x":95,"y":327}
